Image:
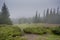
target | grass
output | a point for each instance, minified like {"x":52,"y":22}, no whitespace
{"x":14,"y":32}
{"x":36,"y":25}
{"x":10,"y":33}
{"x":33,"y":28}
{"x":49,"y":37}
{"x":16,"y":38}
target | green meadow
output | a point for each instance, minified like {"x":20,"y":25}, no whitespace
{"x":20,"y":31}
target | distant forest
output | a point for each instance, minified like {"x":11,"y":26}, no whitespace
{"x":5,"y":16}
{"x":51,"y":16}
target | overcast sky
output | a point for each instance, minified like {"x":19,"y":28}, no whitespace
{"x":27,"y":8}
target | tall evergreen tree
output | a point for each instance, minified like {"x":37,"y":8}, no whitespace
{"x":47,"y":15}
{"x":36,"y":17}
{"x":44,"y":14}
{"x":5,"y":15}
{"x":58,"y":16}
{"x":51,"y":16}
{"x":54,"y":12}
{"x":39,"y":18}
{"x":51,"y":13}
{"x":35,"y":20}
{"x":44,"y":17}
{"x":0,"y":18}
{"x":54,"y":16}
{"x":58,"y":10}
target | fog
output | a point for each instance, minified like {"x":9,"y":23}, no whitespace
{"x":27,"y":8}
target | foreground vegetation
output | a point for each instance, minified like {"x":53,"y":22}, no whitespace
{"x":49,"y":37}
{"x":36,"y":29}
{"x":46,"y":32}
{"x":10,"y":32}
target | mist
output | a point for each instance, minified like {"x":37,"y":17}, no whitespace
{"x":27,"y":8}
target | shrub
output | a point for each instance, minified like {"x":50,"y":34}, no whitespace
{"x":36,"y":30}
{"x":7,"y":31}
{"x":56,"y":30}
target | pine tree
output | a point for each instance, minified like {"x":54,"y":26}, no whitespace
{"x":58,"y":16}
{"x":39,"y":19}
{"x":51,"y":13}
{"x":0,"y":18}
{"x":36,"y":17}
{"x":44,"y":17}
{"x":58,"y":10}
{"x":5,"y":15}
{"x":54,"y":11}
{"x":54,"y":16}
{"x":51,"y":16}
{"x":35,"y":20}
{"x":47,"y":15}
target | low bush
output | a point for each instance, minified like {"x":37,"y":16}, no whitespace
{"x":36,"y":30}
{"x":9,"y":31}
{"x":56,"y":30}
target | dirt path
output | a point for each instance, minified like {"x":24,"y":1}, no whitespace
{"x":31,"y":36}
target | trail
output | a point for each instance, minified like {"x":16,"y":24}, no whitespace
{"x":31,"y":36}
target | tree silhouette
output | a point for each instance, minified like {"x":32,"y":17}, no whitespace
{"x":4,"y":19}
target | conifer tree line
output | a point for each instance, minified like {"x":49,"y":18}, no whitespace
{"x":4,"y":15}
{"x":36,"y":18}
{"x":51,"y":16}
